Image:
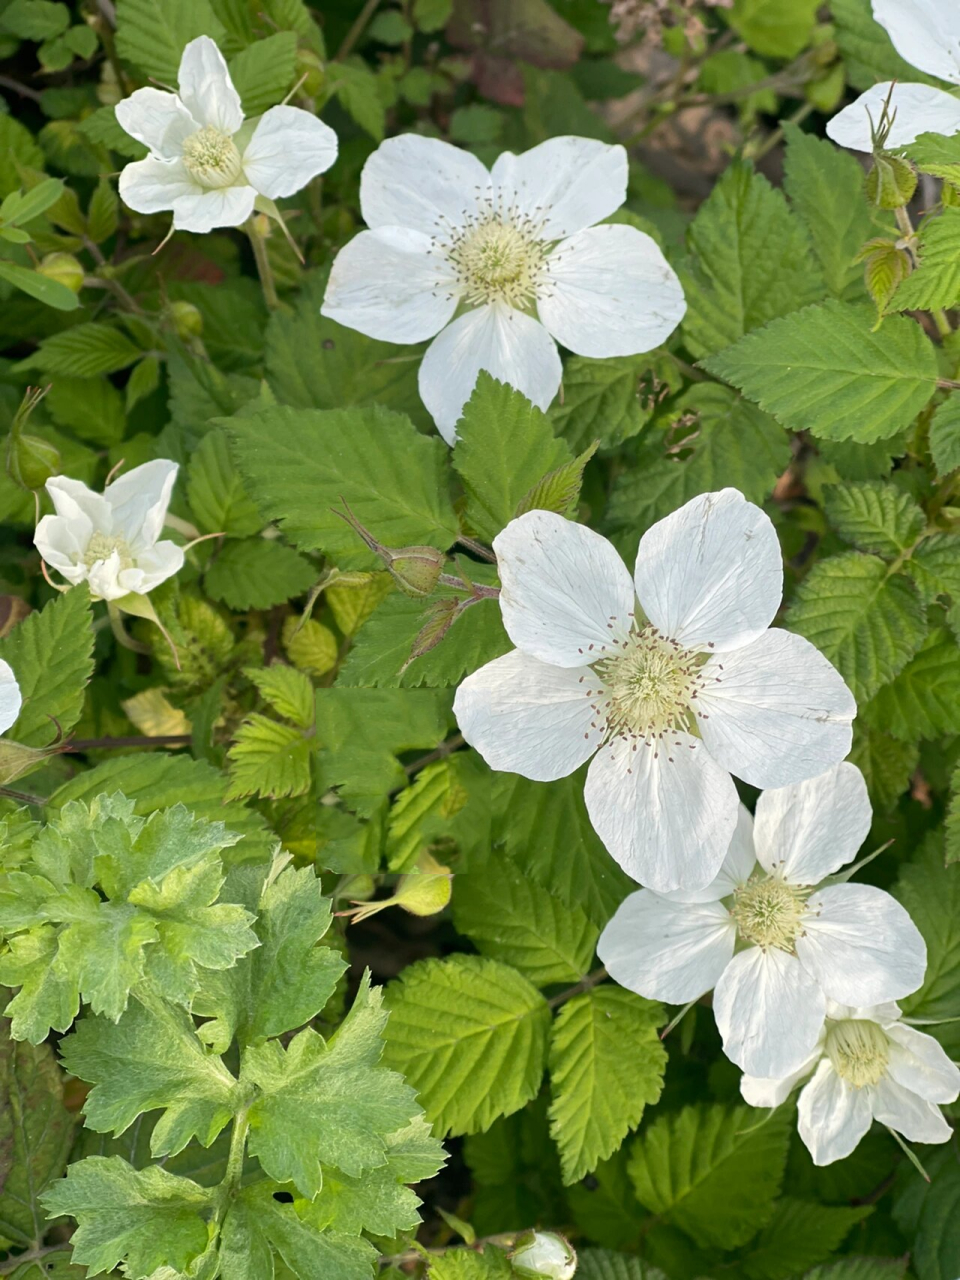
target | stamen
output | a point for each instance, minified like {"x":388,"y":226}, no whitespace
{"x":498,"y":255}
{"x":769,"y":913}
{"x":211,"y":157}
{"x":859,"y":1051}
{"x":646,"y":687}
{"x":102,"y":545}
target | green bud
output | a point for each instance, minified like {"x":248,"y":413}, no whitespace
{"x":64,"y":268}
{"x":543,"y":1253}
{"x":187,"y":320}
{"x":415,"y":570}
{"x":31,"y":461}
{"x":891,"y":182}
{"x":427,"y":890}
{"x":310,"y":68}
{"x":16,"y":759}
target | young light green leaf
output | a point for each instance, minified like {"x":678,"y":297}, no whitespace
{"x":936,"y":281}
{"x":268,"y":758}
{"x":288,"y":691}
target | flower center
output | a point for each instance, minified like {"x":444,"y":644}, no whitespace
{"x":647,"y":686}
{"x":102,"y":545}
{"x":211,"y":157}
{"x":858,"y":1050}
{"x":498,"y":260}
{"x":769,"y":913}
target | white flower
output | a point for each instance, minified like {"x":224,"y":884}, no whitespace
{"x":10,"y":699}
{"x":543,"y":1253}
{"x":515,"y":250}
{"x":866,"y":1066}
{"x":927,"y":34}
{"x":673,"y":694}
{"x":205,"y":163}
{"x":774,"y":947}
{"x":110,"y":539}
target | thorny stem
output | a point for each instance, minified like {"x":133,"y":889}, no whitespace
{"x":264,"y":270}
{"x":585,"y":984}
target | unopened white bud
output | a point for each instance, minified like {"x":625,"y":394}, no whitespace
{"x":543,"y":1253}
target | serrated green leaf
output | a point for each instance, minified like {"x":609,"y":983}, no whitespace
{"x":151,"y":34}
{"x":874,"y":516}
{"x":861,"y":1269}
{"x":798,"y":1235}
{"x":936,"y":154}
{"x":310,"y":646}
{"x":422,"y":812}
{"x":712,"y":1171}
{"x":85,"y":351}
{"x":35,"y":19}
{"x":216,"y":492}
{"x":773,"y":29}
{"x":867,"y":621}
{"x":945,"y":436}
{"x":505,"y":445}
{"x":930,"y":891}
{"x":103,"y":212}
{"x":258,"y":573}
{"x":287,"y":691}
{"x":923,"y":701}
{"x":607,"y":400}
{"x":356,"y":88}
{"x":264,"y":72}
{"x":952,"y":823}
{"x":824,"y":370}
{"x":268,"y":758}
{"x":887,"y":765}
{"x":559,"y":490}
{"x":91,"y":407}
{"x":604,"y":1264}
{"x":936,"y":281}
{"x":606,"y":1066}
{"x":470,"y":1035}
{"x":51,"y":655}
{"x":145,"y":1218}
{"x":328,"y":1102}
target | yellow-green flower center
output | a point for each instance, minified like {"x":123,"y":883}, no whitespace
{"x":102,"y":545}
{"x":496,"y":259}
{"x":645,"y":686}
{"x":769,"y":913}
{"x":859,"y":1051}
{"x":211,"y":158}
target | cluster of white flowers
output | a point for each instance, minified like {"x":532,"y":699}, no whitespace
{"x":672,"y":681}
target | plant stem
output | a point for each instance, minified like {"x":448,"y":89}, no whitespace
{"x":140,"y":740}
{"x":32,"y":1255}
{"x":585,"y":984}
{"x":234,"y":1171}
{"x":356,"y":31}
{"x":259,"y":246}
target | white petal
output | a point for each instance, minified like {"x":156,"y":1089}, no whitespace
{"x":565,"y":592}
{"x":513,"y":347}
{"x":289,"y":147}
{"x":667,"y":950}
{"x":564,"y":184}
{"x":157,"y":119}
{"x":762,"y":1091}
{"x":206,"y":88}
{"x":920,"y":109}
{"x":924,"y":32}
{"x":526,"y":717}
{"x":861,"y":945}
{"x":666,"y":814}
{"x":104,"y":578}
{"x":832,"y":1116}
{"x":738,"y":865}
{"x":205,"y":210}
{"x":769,"y":1012}
{"x":386,"y":284}
{"x":780,"y":712}
{"x":609,"y":291}
{"x":808,"y":830}
{"x":154,"y":565}
{"x":10,"y":699}
{"x":710,"y":575}
{"x":913,"y":1117}
{"x":73,"y":501}
{"x":139,"y":500}
{"x":151,"y":185}
{"x":920,"y":1063}
{"x":62,"y":544}
{"x":421,"y":183}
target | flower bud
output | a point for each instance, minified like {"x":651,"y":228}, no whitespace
{"x":16,"y":759}
{"x":891,"y":182}
{"x":187,"y":320}
{"x":310,"y":68}
{"x":543,"y":1253}
{"x":427,"y":890}
{"x":415,"y":570}
{"x":64,"y":268}
{"x":31,"y":461}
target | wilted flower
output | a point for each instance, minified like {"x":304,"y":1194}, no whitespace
{"x":673,"y":693}
{"x":773,"y":946}
{"x":927,"y":34}
{"x":515,"y":251}
{"x":110,"y":540}
{"x":206,"y":163}
{"x":867,"y":1066}
{"x":10,"y":699}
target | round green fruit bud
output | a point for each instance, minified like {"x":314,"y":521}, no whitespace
{"x":31,"y":461}
{"x":310,"y":68}
{"x":64,"y":268}
{"x":187,"y":320}
{"x":891,"y":182}
{"x":543,"y":1253}
{"x":416,"y":570}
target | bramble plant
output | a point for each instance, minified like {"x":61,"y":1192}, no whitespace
{"x":480,"y":639}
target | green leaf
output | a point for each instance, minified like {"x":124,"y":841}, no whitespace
{"x":102,"y":128}
{"x":712,"y":1171}
{"x":470,"y":1035}
{"x":150,"y":1059}
{"x":18,"y":149}
{"x":268,"y":759}
{"x":511,"y":918}
{"x":798,"y":1235}
{"x":288,"y":692}
{"x":867,"y":51}
{"x":936,"y":154}
{"x":945,"y":436}
{"x":258,"y":573}
{"x":825,"y":186}
{"x":264,"y":72}
{"x":91,"y":407}
{"x":930,"y":891}
{"x":215,"y":490}
{"x":773,"y":29}
{"x":431,"y":15}
{"x":35,"y":19}
{"x":861,"y":1269}
{"x":874,"y":516}
{"x":606,"y":1065}
{"x":936,"y":281}
{"x":287,"y":979}
{"x":151,"y":34}
{"x":952,"y":823}
{"x":924,"y":699}
{"x":36,"y":1133}
{"x":51,"y":654}
{"x":357,"y":91}
{"x":50,"y":292}
{"x":301,"y":464}
{"x":752,"y":262}
{"x":326,"y":1102}
{"x":608,"y":400}
{"x":145,"y":1218}
{"x":887,"y":765}
{"x":85,"y":351}
{"x":103,"y":212}
{"x":311,"y":647}
{"x":823,"y":370}
{"x":505,"y":445}
{"x":867,"y":621}
{"x":604,"y":1264}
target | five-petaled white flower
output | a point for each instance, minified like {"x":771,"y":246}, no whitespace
{"x":673,"y":694}
{"x":110,"y":540}
{"x":773,"y":946}
{"x":10,"y":699}
{"x":867,"y":1066}
{"x":927,"y":34}
{"x":515,"y":250}
{"x":205,"y":162}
